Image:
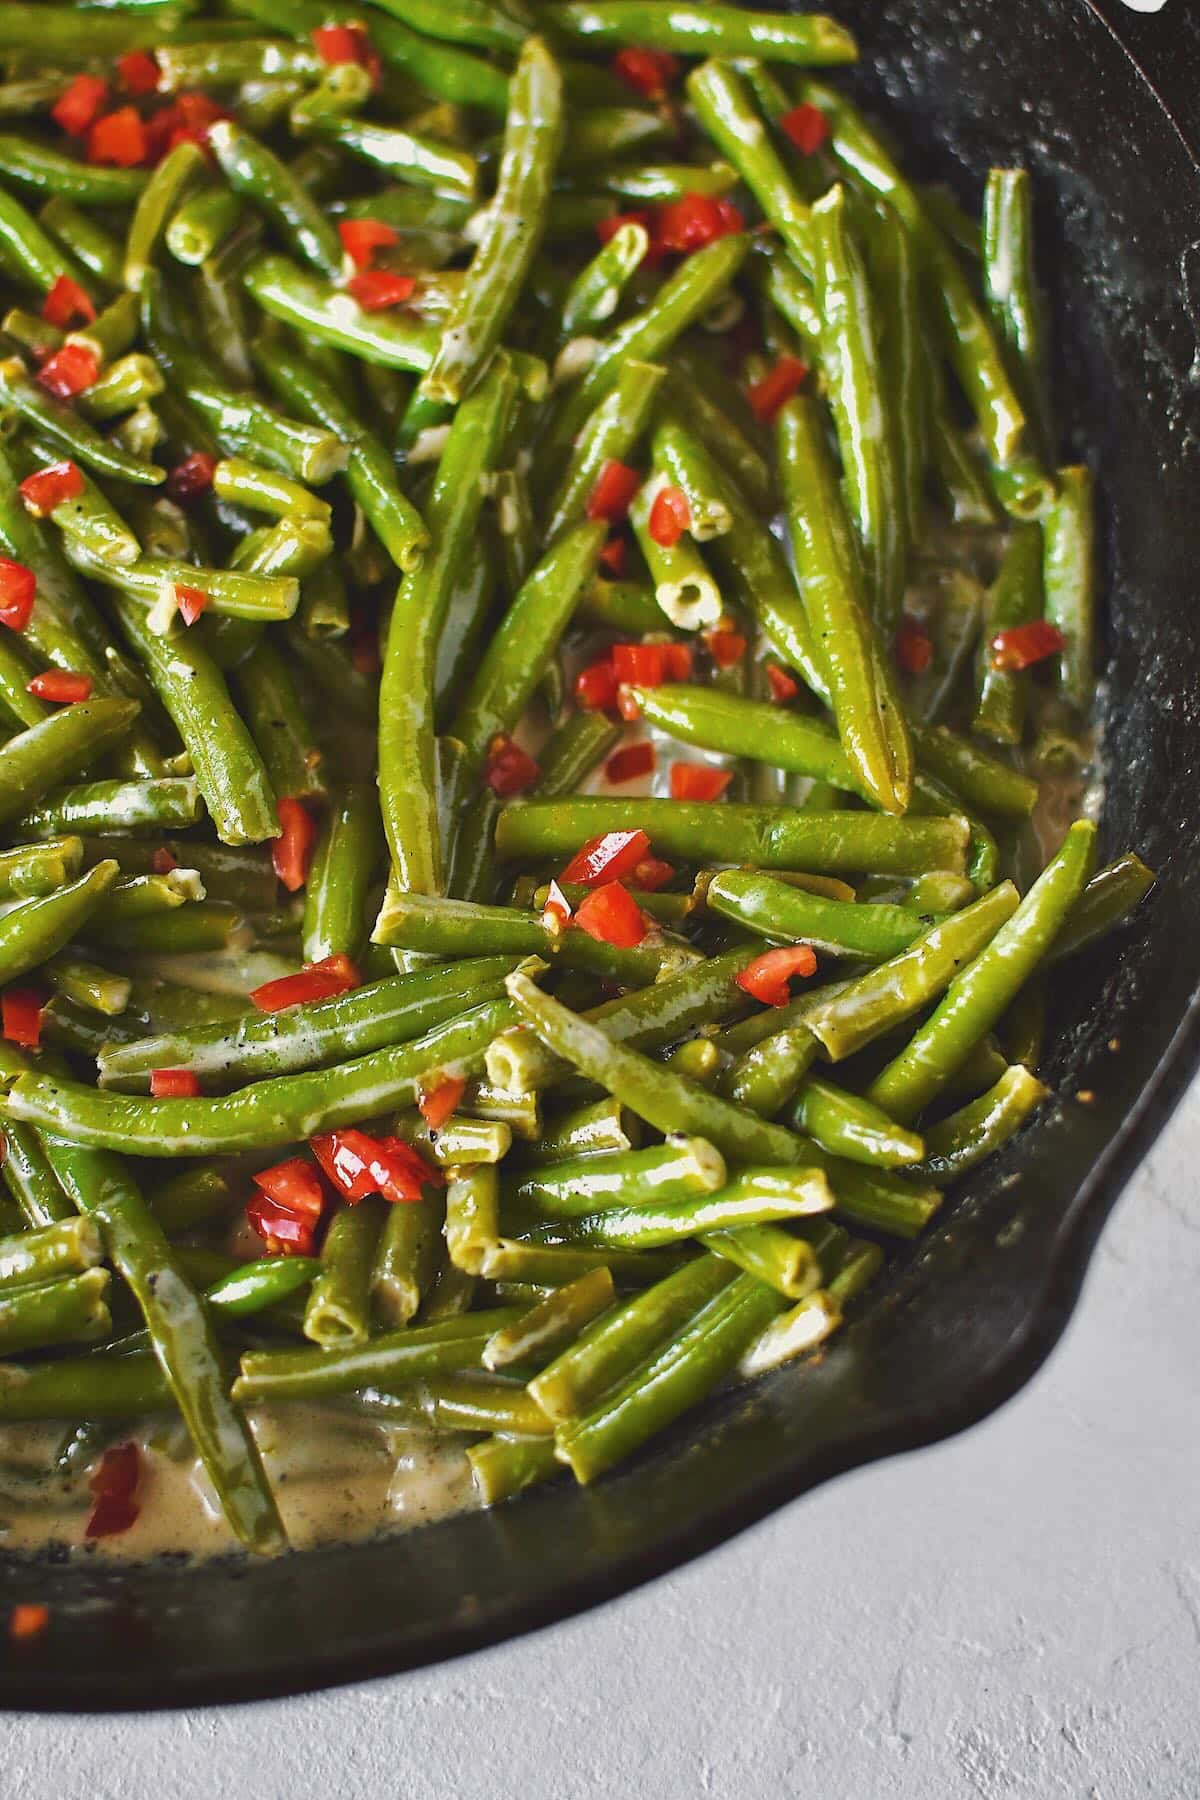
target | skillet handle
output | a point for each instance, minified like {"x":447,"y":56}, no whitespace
{"x":1163,"y":39}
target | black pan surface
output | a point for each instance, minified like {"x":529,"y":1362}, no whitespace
{"x":1069,"y":88}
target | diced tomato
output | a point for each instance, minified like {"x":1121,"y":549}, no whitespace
{"x":438,"y":1102}
{"x":677,"y":662}
{"x":608,"y":228}
{"x":644,"y":665}
{"x":67,"y":302}
{"x":510,"y":770}
{"x":777,"y":386}
{"x":652,"y":873}
{"x":1021,"y":646}
{"x":78,"y":108}
{"x":378,"y":289}
{"x":287,"y":1210}
{"x":766,"y":978}
{"x":291,"y":851}
{"x":613,"y":555}
{"x":319,"y":981}
{"x":18,"y":586}
{"x":118,"y":137}
{"x":295,"y":1184}
{"x":615,"y":487}
{"x":138,"y":71}
{"x":784,"y":687}
{"x":21,"y":1016}
{"x":693,"y":221}
{"x":174,"y":1084}
{"x":346,"y":44}
{"x":596,"y":686}
{"x":613,"y":916}
{"x":162,"y":862}
{"x":114,"y":1490}
{"x":630,"y":762}
{"x":403,"y":1173}
{"x":556,"y":914}
{"x":670,"y":516}
{"x":725,"y":647}
{"x":62,"y":687}
{"x":50,"y":487}
{"x":648,"y":72}
{"x":28,"y":1620}
{"x":188,"y":118}
{"x":191,"y":602}
{"x":609,"y":857}
{"x":912,"y":646}
{"x":358,"y":1164}
{"x":283,"y":1232}
{"x":362,"y":237}
{"x":697,"y":781}
{"x":69,"y":372}
{"x":191,"y":477}
{"x":807,"y":127}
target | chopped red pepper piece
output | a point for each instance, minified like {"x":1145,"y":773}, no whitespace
{"x":612,"y":916}
{"x":66,"y":302}
{"x":556,"y":914}
{"x":698,"y":781}
{"x":114,"y":1487}
{"x":378,"y":289}
{"x":766,"y":978}
{"x":777,"y":386}
{"x":28,"y":1619}
{"x":77,"y":109}
{"x":807,"y":127}
{"x":725,"y":647}
{"x":162,"y":862}
{"x":18,"y":586}
{"x":613,"y":555}
{"x":319,"y":981}
{"x":70,"y":371}
{"x":510,"y":770}
{"x":645,"y":665}
{"x":50,"y":487}
{"x":188,"y":119}
{"x":437,"y":1103}
{"x":652,"y":873}
{"x":596,"y":686}
{"x":347,"y":44}
{"x":62,"y":687}
{"x":693,"y":221}
{"x":670,"y":516}
{"x":291,"y":851}
{"x":174,"y":1084}
{"x":1021,"y":646}
{"x":21,"y":1016}
{"x":287,"y":1210}
{"x":609,"y":857}
{"x":630,"y":762}
{"x":677,"y":662}
{"x":362,"y":237}
{"x":648,"y":72}
{"x":295,"y":1184}
{"x":912,"y":646}
{"x":615,"y":487}
{"x":357,"y":1165}
{"x":783,"y":686}
{"x":118,"y":137}
{"x":139,"y":72}
{"x":192,"y":477}
{"x":283,"y":1232}
{"x":191,"y":602}
{"x":403,"y":1173}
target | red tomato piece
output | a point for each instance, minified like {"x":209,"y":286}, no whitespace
{"x":510,"y":770}
{"x":766,"y":978}
{"x":644,"y":665}
{"x":114,"y":1487}
{"x":652,"y":873}
{"x":783,"y":686}
{"x":629,"y":763}
{"x":609,"y":857}
{"x":1021,"y":646}
{"x":294,"y":1184}
{"x":912,"y":646}
{"x":670,"y":516}
{"x":174,"y":1084}
{"x":403,"y":1173}
{"x":725,"y":647}
{"x":69,"y":372}
{"x":345,"y":44}
{"x":18,"y":586}
{"x":693,"y":221}
{"x":596,"y":686}
{"x":438,"y":1102}
{"x":284,"y":1233}
{"x":346,"y":1157}
{"x":777,"y":386}
{"x":119,"y":138}
{"x":291,"y":851}
{"x":191,"y":477}
{"x":362,"y":237}
{"x":807,"y":127}
{"x":677,"y":662}
{"x":648,"y":72}
{"x":66,"y":302}
{"x":50,"y":487}
{"x":62,"y":687}
{"x":191,"y":602}
{"x":613,"y":916}
{"x":320,"y":981}
{"x":21,"y":1016}
{"x":139,"y":72}
{"x":378,"y":289}
{"x":697,"y":781}
{"x":78,"y":108}
{"x":615,"y":487}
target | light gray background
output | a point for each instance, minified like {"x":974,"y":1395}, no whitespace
{"x":1014,"y":1615}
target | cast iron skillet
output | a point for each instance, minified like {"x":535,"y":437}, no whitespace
{"x":976,"y":1308}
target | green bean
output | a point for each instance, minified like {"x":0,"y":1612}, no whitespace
{"x":258,"y":175}
{"x":472,"y":1216}
{"x":67,"y":430}
{"x":30,"y":1179}
{"x":751,"y":1197}
{"x":156,"y":201}
{"x":66,"y":1247}
{"x":407,"y":1258}
{"x":406,"y":700}
{"x":84,"y":237}
{"x":809,"y":38}
{"x":895,"y":271}
{"x":788,"y":915}
{"x":60,"y":745}
{"x":93,"y":526}
{"x":982,"y":780}
{"x":422,"y":1350}
{"x":337,"y":1312}
{"x":33,"y":869}
{"x":1109,"y":897}
{"x":227,"y":63}
{"x":851,"y":1127}
{"x":1016,"y":598}
{"x":730,"y":118}
{"x":34,"y":334}
{"x":552,"y":1266}
{"x":258,"y":1285}
{"x":955,"y":1144}
{"x":275,"y":715}
{"x":46,"y":171}
{"x":795,"y":1332}
{"x":679,"y":1169}
{"x":622,"y":606}
{"x":503,"y":1466}
{"x":609,"y":434}
{"x":266,"y":1113}
{"x":87,"y":984}
{"x":574,"y":750}
{"x":595,"y":293}
{"x":980,"y":992}
{"x":128,"y":383}
{"x":203,"y":222}
{"x":459,"y":1141}
{"x":93,"y":1387}
{"x":244,"y":483}
{"x":769,"y":837}
{"x":603,"y":1128}
{"x":683,"y":586}
{"x":1010,"y":285}
{"x":343,"y":867}
{"x":552,"y":1323}
{"x":33,"y":930}
{"x":99,"y":806}
{"x":1070,"y":580}
{"x":40,"y":1316}
{"x":757,"y":729}
{"x":783,"y":1262}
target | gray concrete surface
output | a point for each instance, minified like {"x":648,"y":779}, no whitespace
{"x":1013,"y":1615}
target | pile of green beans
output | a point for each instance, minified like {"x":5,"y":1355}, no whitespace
{"x":580,"y":433}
